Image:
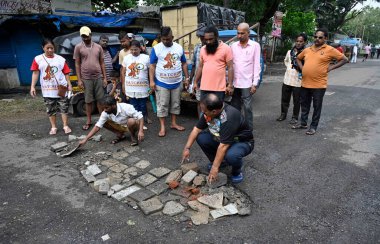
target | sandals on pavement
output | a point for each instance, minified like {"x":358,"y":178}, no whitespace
{"x":53,"y":131}
{"x":311,"y":131}
{"x":67,"y":130}
{"x":118,"y":139}
{"x":86,"y":126}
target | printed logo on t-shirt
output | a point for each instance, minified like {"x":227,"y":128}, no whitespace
{"x":135,"y":69}
{"x":49,"y":72}
{"x":170,"y":60}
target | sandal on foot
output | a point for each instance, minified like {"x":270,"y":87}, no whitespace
{"x":86,"y":126}
{"x":178,"y":128}
{"x":311,"y":132}
{"x":118,"y":139}
{"x":134,"y":143}
{"x":53,"y":131}
{"x":67,"y":130}
{"x":161,"y":134}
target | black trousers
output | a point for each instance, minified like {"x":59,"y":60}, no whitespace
{"x":287,"y":92}
{"x":309,"y":95}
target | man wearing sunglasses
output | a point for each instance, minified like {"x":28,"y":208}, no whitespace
{"x":317,"y":64}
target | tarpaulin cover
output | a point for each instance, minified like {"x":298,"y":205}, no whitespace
{"x":114,"y":21}
{"x":223,"y":18}
{"x":349,"y":42}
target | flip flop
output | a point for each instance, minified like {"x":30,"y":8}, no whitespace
{"x":67,"y":129}
{"x":118,"y":139}
{"x":178,"y":128}
{"x":53,"y":131}
{"x":86,"y":126}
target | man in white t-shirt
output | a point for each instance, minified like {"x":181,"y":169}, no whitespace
{"x":167,"y":61}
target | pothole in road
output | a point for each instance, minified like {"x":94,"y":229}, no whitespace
{"x":181,"y":193}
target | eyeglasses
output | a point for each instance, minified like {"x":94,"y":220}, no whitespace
{"x":318,"y":37}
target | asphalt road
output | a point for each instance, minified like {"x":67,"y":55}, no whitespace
{"x":323,"y":188}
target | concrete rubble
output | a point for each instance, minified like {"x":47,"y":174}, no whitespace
{"x":136,"y":183}
{"x":58,"y":146}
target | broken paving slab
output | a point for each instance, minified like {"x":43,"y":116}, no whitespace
{"x":94,"y":169}
{"x":221,"y":180}
{"x":118,"y":168}
{"x":159,"y":172}
{"x":173,"y":208}
{"x":114,"y":175}
{"x":142,"y":164}
{"x":132,"y":159}
{"x":119,"y":187}
{"x":213,"y":201}
{"x":142,"y":195}
{"x":131,"y":149}
{"x":88,"y":176}
{"x":146,"y":180}
{"x":104,"y":187}
{"x":199,"y":180}
{"x":229,"y":209}
{"x":181,"y":192}
{"x":158,"y":187}
{"x":72,"y":138}
{"x":244,"y":211}
{"x":174,"y":176}
{"x":58,"y":146}
{"x":150,"y":206}
{"x":126,"y":192}
{"x":109,"y":162}
{"x":188,"y":178}
{"x":197,"y":206}
{"x":201,"y":217}
{"x":189,"y":166}
{"x":130,"y":169}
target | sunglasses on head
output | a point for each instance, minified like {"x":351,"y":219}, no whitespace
{"x":318,"y":37}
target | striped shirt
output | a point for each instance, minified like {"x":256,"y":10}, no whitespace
{"x":108,"y":63}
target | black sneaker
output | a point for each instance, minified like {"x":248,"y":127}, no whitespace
{"x":299,"y":126}
{"x":293,"y":121}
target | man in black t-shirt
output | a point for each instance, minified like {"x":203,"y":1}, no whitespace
{"x":223,"y":135}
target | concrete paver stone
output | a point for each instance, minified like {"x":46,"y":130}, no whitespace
{"x":88,"y":176}
{"x":132,"y":159}
{"x":142,"y":195}
{"x":58,"y":146}
{"x":173,"y":208}
{"x":126,"y":192}
{"x":159,"y":172}
{"x":109,"y":162}
{"x":221,"y":180}
{"x":94,"y":169}
{"x":146,"y":180}
{"x":189,"y":166}
{"x":118,"y":168}
{"x":151,"y":205}
{"x":158,"y":187}
{"x":180,"y":192}
{"x":213,"y":201}
{"x":188,"y":178}
{"x":142,"y":164}
{"x":174,"y":176}
{"x":199,"y":180}
{"x":120,"y":155}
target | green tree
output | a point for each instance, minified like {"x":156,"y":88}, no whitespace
{"x":114,"y":5}
{"x":366,"y":26}
{"x":296,"y":22}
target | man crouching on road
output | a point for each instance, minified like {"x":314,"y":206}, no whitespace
{"x":228,"y":138}
{"x":119,"y":118}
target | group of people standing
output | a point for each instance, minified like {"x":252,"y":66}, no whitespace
{"x":224,"y":131}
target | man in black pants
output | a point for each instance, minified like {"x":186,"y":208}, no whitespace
{"x":317,"y":60}
{"x":292,"y":81}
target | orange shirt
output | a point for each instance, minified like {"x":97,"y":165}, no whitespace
{"x":317,"y":61}
{"x":214,"y":68}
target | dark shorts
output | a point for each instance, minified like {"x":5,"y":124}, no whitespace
{"x":93,"y":90}
{"x":54,"y":105}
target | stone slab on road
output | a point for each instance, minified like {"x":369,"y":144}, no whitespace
{"x":158,"y":187}
{"x":150,"y":206}
{"x":126,"y":192}
{"x":173,"y":208}
{"x":146,"y":180}
{"x":213,"y":201}
{"x":159,"y":172}
{"x":88,"y":176}
{"x":142,"y":195}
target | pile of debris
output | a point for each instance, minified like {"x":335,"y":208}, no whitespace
{"x":182,"y":192}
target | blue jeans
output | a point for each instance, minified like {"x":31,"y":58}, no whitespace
{"x":139,"y":104}
{"x":243,"y":96}
{"x":235,"y":153}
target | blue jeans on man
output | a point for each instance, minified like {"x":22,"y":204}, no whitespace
{"x":243,"y":96}
{"x":235,"y":153}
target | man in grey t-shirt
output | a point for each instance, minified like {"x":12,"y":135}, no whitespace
{"x":90,"y":70}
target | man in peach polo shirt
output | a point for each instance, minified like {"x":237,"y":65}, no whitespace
{"x":215,"y":56}
{"x":315,"y":70}
{"x":246,"y":60}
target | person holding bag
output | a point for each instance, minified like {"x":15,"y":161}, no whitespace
{"x":53,"y":72}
